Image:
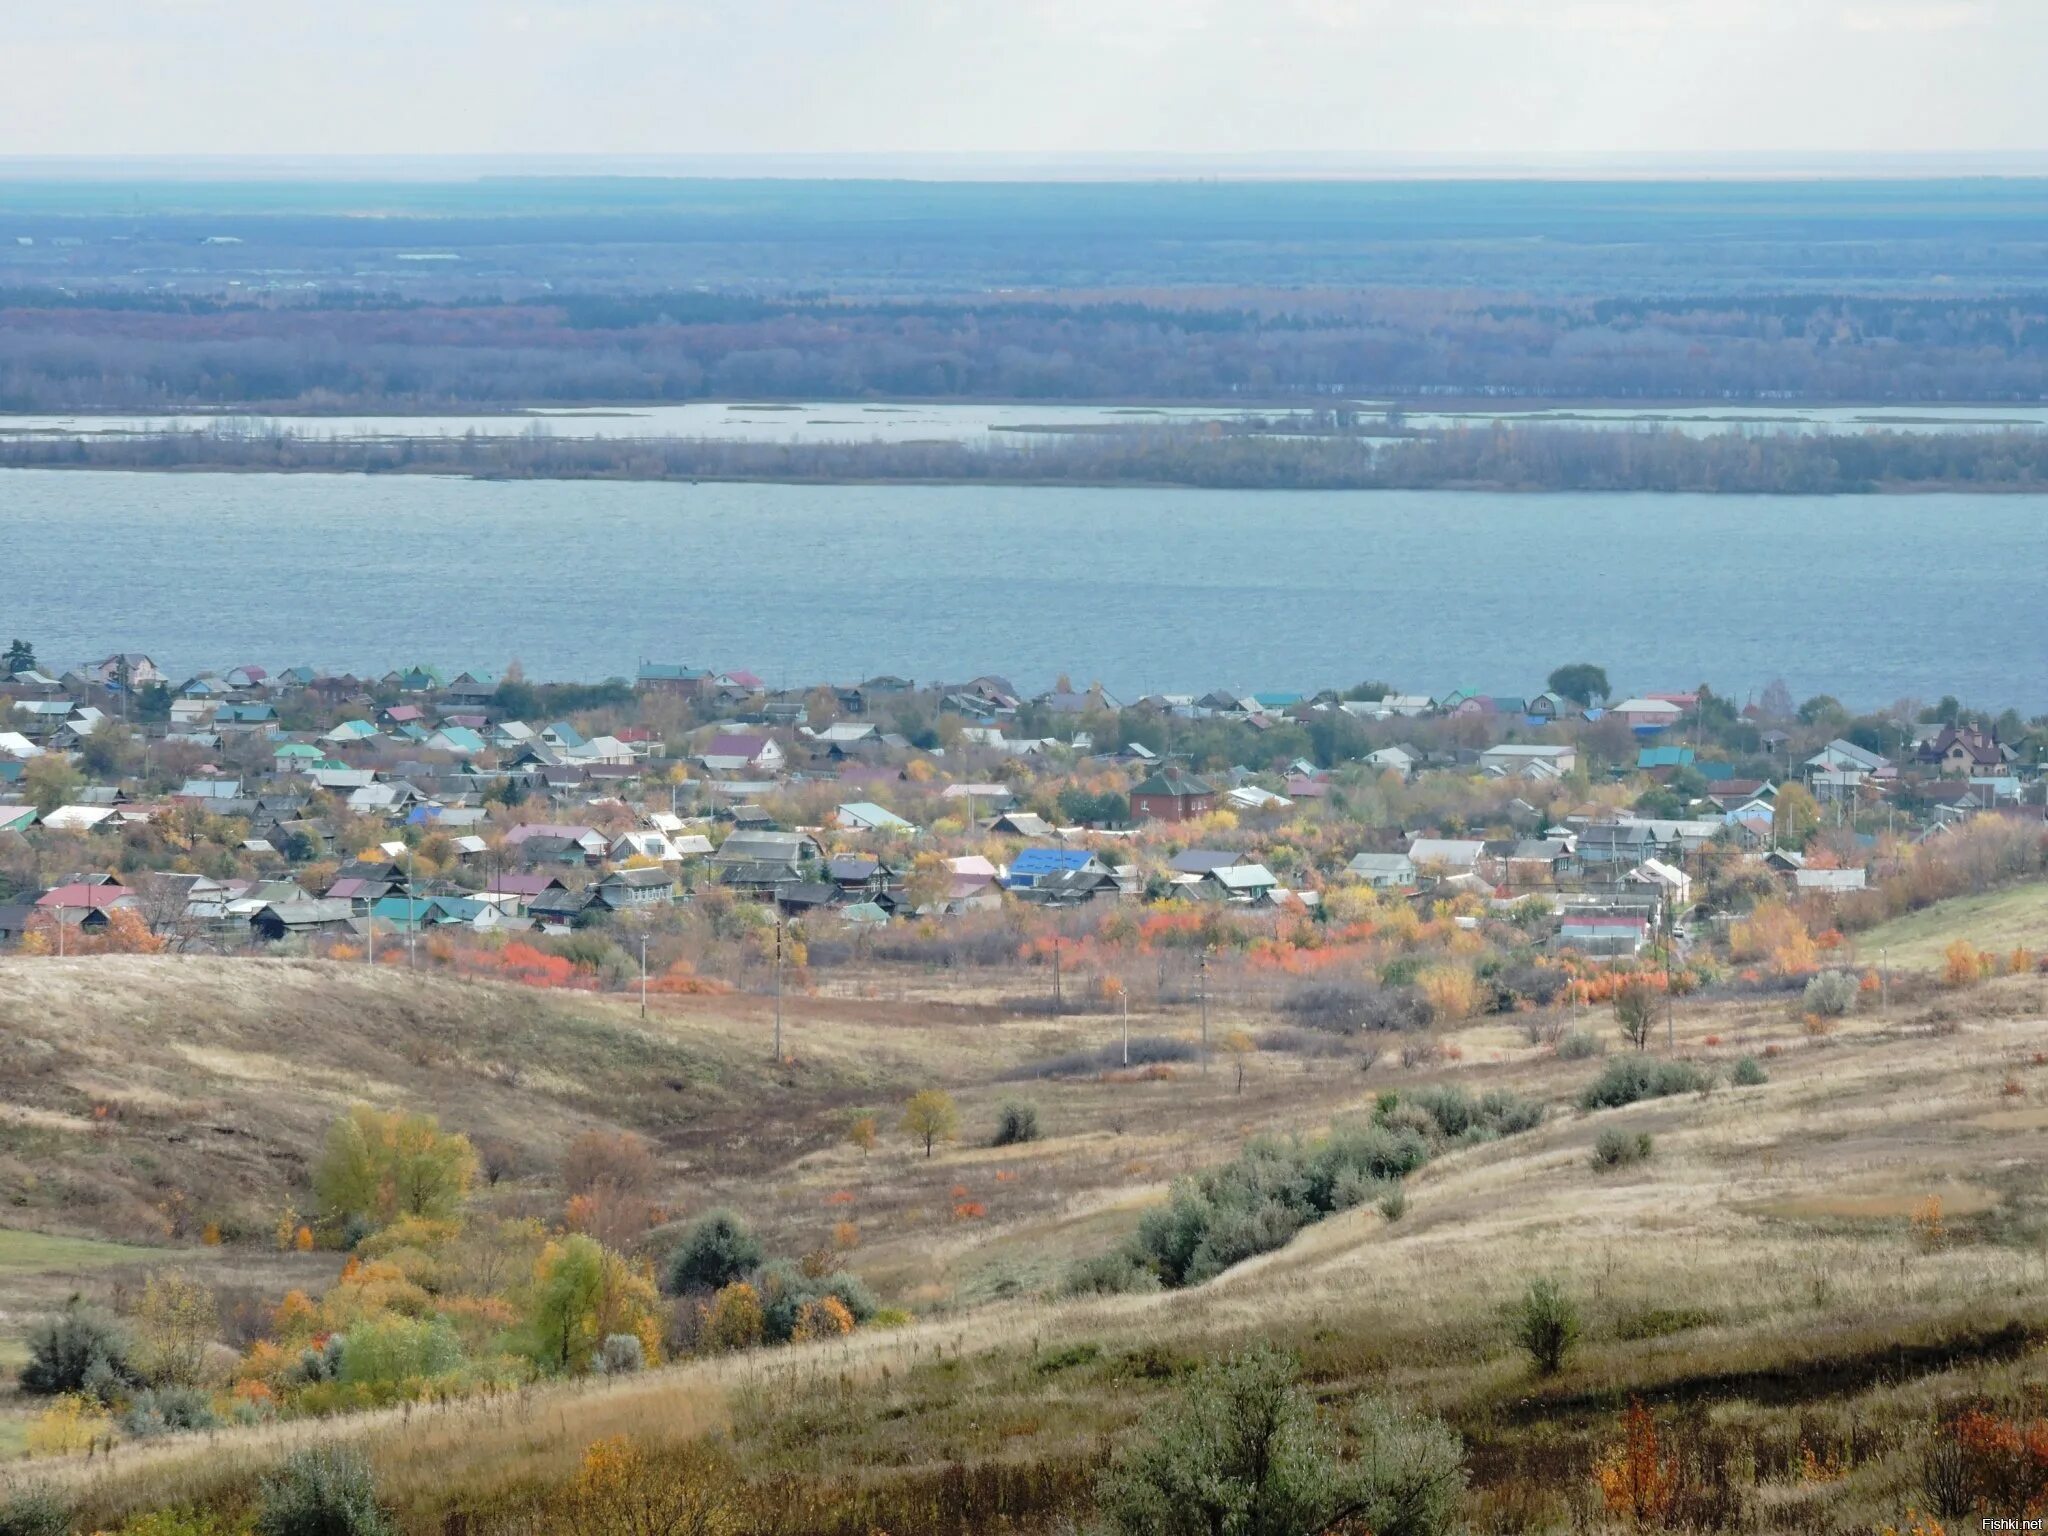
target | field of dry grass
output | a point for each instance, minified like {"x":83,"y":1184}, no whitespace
{"x":1813,"y":1264}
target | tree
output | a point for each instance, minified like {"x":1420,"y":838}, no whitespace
{"x":1635,"y":1010}
{"x":1546,"y":1325}
{"x":1795,"y":817}
{"x":20,"y":657}
{"x":583,"y":1294}
{"x":1581,"y":682}
{"x":686,"y":1490}
{"x":931,"y":1117}
{"x":50,"y":781}
{"x":377,"y":1166}
{"x":733,"y":1320}
{"x":716,"y":1251}
{"x":1240,"y":1046}
{"x":174,"y":1322}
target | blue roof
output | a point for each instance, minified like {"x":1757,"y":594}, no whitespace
{"x":1664,"y":757}
{"x":1048,"y":861}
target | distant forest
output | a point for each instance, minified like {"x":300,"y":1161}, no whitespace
{"x":1524,"y":458}
{"x":156,"y":352}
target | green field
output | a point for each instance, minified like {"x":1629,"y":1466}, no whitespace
{"x":36,"y":1253}
{"x":1998,"y":920}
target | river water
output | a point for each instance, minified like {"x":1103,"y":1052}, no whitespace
{"x":1870,"y":598}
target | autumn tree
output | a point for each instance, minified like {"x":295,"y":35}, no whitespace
{"x":1635,"y":1010}
{"x":583,"y":1293}
{"x":1795,"y":817}
{"x":377,"y":1166}
{"x":174,"y":1322}
{"x":610,"y":1178}
{"x":50,"y":781}
{"x":931,"y":1117}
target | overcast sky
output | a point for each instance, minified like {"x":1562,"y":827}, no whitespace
{"x":1049,"y":77}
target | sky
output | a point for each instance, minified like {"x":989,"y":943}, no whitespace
{"x":1484,"y":79}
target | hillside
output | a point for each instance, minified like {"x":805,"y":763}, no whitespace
{"x":2001,"y":920}
{"x":1811,"y":1265}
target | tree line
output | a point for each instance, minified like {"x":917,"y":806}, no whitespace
{"x":1499,"y":457}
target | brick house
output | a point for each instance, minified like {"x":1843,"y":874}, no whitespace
{"x":1172,"y":795}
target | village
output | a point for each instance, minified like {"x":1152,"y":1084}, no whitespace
{"x":732,"y":830}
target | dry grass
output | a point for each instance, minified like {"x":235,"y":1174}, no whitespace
{"x":1764,"y":1266}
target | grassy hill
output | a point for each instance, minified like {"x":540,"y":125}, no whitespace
{"x":1998,"y":920}
{"x":1799,"y":1278}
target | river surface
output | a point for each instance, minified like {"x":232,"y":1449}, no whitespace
{"x":1870,"y":598}
{"x":985,"y":424}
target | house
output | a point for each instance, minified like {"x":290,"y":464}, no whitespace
{"x":1612,"y":842}
{"x":279,"y":920}
{"x":1172,"y":795}
{"x":517,"y":889}
{"x":975,"y":884}
{"x":1401,"y":760}
{"x":1513,"y":760}
{"x":627,"y":889}
{"x":1966,"y":751}
{"x":1068,"y":887}
{"x":670,"y":678}
{"x":1243,"y":882}
{"x":1445,"y":855}
{"x":742,"y":752}
{"x":1841,"y":766}
{"x":588,"y":841}
{"x":763,"y":861}
{"x":1645,"y":714}
{"x":1020,"y":824}
{"x":129,"y":669}
{"x":1199,"y":861}
{"x":1827,"y":882}
{"x":1539,"y":860}
{"x":865,"y":816}
{"x":85,"y":904}
{"x":1029,"y":866}
{"x":1383,"y":871}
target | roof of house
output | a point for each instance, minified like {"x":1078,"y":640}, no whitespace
{"x":1173,"y":781}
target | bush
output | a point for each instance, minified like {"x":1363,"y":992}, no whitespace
{"x":1240,"y":1448}
{"x":716,"y":1251}
{"x":1118,"y":1273}
{"x":323,"y":1491}
{"x":34,"y":1514}
{"x":1626,"y":1079}
{"x":1146,"y":1051}
{"x":79,"y":1350}
{"x":1580,"y":1045}
{"x":168,"y":1410}
{"x":1546,"y":1325}
{"x":621,"y":1354}
{"x":785,"y":1292}
{"x":1394,"y":1203}
{"x":1409,"y":1472}
{"x":1748,"y":1073}
{"x":387,"y":1351}
{"x":1616,"y":1148}
{"x":1016,"y":1122}
{"x":1456,"y":1114}
{"x":1831,"y":994}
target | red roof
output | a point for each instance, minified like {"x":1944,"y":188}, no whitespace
{"x":99,"y":897}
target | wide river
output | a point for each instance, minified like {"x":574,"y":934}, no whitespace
{"x":1870,"y":598}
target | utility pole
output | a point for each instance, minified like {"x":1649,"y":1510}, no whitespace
{"x":779,"y":921}
{"x":643,"y":975}
{"x":1202,"y":996}
{"x":1059,"y":1002}
{"x":1126,"y":995}
{"x":1884,"y":985}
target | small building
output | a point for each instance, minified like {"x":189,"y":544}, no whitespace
{"x":1172,"y":795}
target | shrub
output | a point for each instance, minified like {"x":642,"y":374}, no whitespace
{"x":33,"y":1514}
{"x":387,"y":1351}
{"x":786,"y":1291}
{"x":1394,"y":1203}
{"x":74,"y":1422}
{"x":322,"y":1491}
{"x":1627,"y":1079}
{"x":1830,"y":995}
{"x":79,"y":1350}
{"x":1546,"y":1325}
{"x":733,"y":1320}
{"x":1616,"y":1148}
{"x":1748,"y":1073}
{"x":1579,"y":1045}
{"x":1409,"y":1472}
{"x":621,"y":1354}
{"x":716,"y":1251}
{"x":1455,"y":1113}
{"x":1962,"y":965}
{"x":1016,"y":1122}
{"x":168,"y":1410}
{"x":1240,"y":1448}
{"x":1118,"y":1273}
